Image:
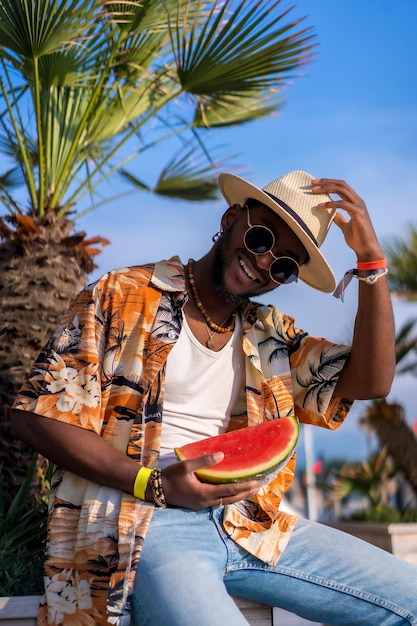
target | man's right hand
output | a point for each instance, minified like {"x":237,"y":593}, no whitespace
{"x":182,"y":488}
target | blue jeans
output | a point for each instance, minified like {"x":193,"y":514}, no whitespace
{"x":189,"y":568}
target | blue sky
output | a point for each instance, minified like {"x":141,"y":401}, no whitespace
{"x":351,"y":115}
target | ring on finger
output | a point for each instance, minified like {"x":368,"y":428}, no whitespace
{"x":220,"y":501}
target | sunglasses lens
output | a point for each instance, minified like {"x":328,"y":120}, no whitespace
{"x":259,"y":240}
{"x":284,"y":270}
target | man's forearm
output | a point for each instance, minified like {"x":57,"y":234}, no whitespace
{"x":82,"y":452}
{"x":371,"y":367}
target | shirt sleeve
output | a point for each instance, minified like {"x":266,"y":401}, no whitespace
{"x":316,"y":364}
{"x":64,"y":382}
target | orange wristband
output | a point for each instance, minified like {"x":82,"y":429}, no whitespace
{"x":371,"y":265}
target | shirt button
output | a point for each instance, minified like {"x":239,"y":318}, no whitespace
{"x":172,"y":334}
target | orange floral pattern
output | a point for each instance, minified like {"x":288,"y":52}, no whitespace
{"x":103,"y":370}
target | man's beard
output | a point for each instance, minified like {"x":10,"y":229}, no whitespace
{"x":219,"y":269}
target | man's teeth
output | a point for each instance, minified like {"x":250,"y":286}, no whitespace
{"x":247,"y":271}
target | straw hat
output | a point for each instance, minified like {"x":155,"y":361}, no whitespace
{"x":291,"y":198}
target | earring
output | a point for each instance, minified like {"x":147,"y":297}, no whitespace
{"x":217,"y":236}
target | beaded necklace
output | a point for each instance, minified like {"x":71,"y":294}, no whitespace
{"x":216,"y":328}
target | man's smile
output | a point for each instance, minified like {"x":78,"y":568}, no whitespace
{"x":247,"y":271}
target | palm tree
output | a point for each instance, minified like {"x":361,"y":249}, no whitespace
{"x":406,"y":348}
{"x":395,"y":435}
{"x":402,"y":259}
{"x":371,"y":479}
{"x":85,"y":87}
{"x":397,"y":442}
{"x":386,"y":419}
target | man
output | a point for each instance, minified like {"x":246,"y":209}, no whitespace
{"x":149,"y":358}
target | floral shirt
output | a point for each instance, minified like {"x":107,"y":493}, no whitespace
{"x":104,"y":370}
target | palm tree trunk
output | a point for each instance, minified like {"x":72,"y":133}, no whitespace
{"x":39,"y":275}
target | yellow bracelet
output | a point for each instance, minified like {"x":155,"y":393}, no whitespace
{"x":141,"y":481}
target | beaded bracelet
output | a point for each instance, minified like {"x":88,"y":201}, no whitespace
{"x":368,"y":274}
{"x":158,"y":492}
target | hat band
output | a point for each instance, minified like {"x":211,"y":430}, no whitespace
{"x":294,"y":215}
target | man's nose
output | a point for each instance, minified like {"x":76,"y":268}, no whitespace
{"x":263,"y":261}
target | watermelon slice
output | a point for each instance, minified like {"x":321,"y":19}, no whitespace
{"x":255,"y":452}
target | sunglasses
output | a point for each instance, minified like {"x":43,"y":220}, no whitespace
{"x":260,"y":240}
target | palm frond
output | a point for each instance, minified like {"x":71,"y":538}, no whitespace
{"x":65,"y":70}
{"x":366,"y":478}
{"x":406,"y":348}
{"x":81,"y":80}
{"x":401,"y":254}
{"x":14,"y":129}
{"x":150,"y":15}
{"x":134,"y":180}
{"x":135,"y":56}
{"x":188,"y":176}
{"x":64,"y":151}
{"x":240,"y":48}
{"x":33,"y":29}
{"x":229,"y":109}
{"x":11,"y":179}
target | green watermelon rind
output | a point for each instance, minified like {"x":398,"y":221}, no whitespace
{"x":264,"y":472}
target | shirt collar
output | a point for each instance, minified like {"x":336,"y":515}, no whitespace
{"x":169,"y":275}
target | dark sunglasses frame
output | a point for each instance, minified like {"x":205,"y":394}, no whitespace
{"x":283,"y":269}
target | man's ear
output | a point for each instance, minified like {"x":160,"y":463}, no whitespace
{"x":231,"y":215}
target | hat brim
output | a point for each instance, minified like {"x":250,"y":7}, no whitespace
{"x":316,"y":272}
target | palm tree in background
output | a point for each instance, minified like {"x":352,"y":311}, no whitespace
{"x":88,"y":86}
{"x":401,"y":254}
{"x":387,"y":420}
{"x":371,"y":479}
{"x":394,"y":434}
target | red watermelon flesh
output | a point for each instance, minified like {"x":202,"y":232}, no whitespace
{"x":255,"y":452}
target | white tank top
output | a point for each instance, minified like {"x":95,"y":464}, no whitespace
{"x":201,"y":388}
